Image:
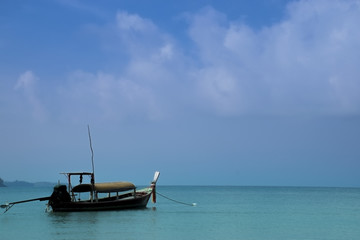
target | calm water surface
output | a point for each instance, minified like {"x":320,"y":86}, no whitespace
{"x":250,"y":213}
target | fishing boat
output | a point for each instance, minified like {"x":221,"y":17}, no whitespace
{"x":98,"y":196}
{"x":115,"y":195}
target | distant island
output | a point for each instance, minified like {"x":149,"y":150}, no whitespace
{"x":25,"y":184}
{"x":2,"y":183}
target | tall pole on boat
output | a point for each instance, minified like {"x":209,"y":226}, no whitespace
{"x":92,"y":158}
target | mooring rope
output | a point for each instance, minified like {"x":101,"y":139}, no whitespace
{"x":184,"y":203}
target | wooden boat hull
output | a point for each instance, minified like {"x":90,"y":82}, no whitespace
{"x":126,"y":201}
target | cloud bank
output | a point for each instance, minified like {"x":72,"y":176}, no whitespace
{"x":305,"y":64}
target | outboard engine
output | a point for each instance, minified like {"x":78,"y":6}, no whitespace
{"x":59,"y":195}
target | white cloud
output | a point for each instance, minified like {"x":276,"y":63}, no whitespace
{"x":307,"y":63}
{"x":106,"y":97}
{"x":138,"y":36}
{"x":133,"y":22}
{"x":220,"y":87}
{"x":167,"y":51}
{"x":27,"y":83}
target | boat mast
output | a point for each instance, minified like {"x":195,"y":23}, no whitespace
{"x":92,"y":159}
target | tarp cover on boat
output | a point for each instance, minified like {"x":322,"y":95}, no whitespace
{"x":105,"y":187}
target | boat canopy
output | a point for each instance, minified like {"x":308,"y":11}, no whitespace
{"x":105,"y":187}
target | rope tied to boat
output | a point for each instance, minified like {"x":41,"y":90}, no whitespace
{"x":176,"y":201}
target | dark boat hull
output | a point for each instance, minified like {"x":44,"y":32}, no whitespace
{"x":113,"y":203}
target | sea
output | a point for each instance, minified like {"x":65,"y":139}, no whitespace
{"x":221,"y":212}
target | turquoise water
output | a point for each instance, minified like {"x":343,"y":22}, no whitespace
{"x":249,"y":213}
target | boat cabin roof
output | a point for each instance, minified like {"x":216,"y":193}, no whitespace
{"x":105,"y":187}
{"x":77,"y":173}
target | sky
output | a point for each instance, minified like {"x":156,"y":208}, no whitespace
{"x":253,"y":93}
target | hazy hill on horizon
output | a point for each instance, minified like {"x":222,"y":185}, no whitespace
{"x":18,"y":183}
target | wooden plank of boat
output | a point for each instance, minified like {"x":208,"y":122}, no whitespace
{"x":126,"y":203}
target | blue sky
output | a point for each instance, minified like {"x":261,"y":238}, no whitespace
{"x":208,"y":92}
